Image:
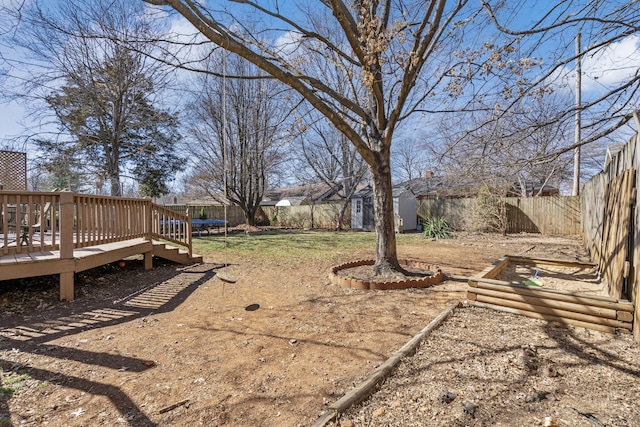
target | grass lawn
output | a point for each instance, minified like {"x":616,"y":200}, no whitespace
{"x":293,"y":244}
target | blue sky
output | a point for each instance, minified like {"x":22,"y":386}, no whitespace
{"x":613,"y":64}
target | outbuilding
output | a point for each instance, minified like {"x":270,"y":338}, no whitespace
{"x":404,"y":208}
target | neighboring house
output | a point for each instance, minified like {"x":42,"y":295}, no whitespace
{"x":305,"y":194}
{"x":169,"y":200}
{"x":440,"y":187}
{"x":612,"y":152}
{"x":447,"y":187}
{"x":404,"y":208}
{"x":293,"y":201}
{"x":533,"y":189}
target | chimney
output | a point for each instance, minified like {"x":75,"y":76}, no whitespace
{"x":428,"y":174}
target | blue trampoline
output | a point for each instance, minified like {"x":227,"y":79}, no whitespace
{"x":201,"y":225}
{"x":198,"y":225}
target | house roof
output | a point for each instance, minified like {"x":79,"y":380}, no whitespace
{"x":363,"y":192}
{"x":533,"y":188}
{"x":443,"y":186}
{"x":397,"y":190}
{"x":440,"y":186}
{"x":193,"y":201}
{"x":612,"y":151}
{"x":292,"y":201}
{"x":305,"y":193}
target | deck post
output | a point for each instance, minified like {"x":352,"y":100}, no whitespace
{"x":189,"y":235}
{"x":66,"y":244}
{"x":149,"y":218}
{"x":148,"y":256}
{"x":148,"y":260}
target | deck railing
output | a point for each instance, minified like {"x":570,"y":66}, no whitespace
{"x":25,"y":219}
{"x":33,"y":222}
{"x":171,"y":226}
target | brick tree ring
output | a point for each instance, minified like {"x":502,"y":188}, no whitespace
{"x":427,"y":280}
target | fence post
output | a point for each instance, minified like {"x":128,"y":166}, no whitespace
{"x":67,"y":219}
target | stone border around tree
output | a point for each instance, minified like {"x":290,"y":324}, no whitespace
{"x":353,"y":283}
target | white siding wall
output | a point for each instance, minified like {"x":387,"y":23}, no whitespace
{"x":405,"y":205}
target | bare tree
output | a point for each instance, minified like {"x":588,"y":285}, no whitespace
{"x":237,"y":124}
{"x":331,"y":158}
{"x":509,"y":152}
{"x":401,"y":57}
{"x":493,"y":154}
{"x":410,"y":159}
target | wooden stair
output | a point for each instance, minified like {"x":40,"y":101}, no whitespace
{"x":175,"y":254}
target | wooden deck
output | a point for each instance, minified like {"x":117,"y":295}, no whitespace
{"x":65,"y":233}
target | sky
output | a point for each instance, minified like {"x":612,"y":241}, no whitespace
{"x":615,"y":63}
{"x":11,"y":113}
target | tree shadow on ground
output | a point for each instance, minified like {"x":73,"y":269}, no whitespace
{"x":116,"y":299}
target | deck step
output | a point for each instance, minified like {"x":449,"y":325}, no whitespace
{"x":175,"y":254}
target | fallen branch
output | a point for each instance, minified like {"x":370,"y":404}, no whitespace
{"x":174,"y":406}
{"x":590,"y":417}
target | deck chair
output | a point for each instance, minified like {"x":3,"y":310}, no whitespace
{"x":38,"y":225}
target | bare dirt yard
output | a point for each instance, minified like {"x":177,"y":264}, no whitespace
{"x":176,"y":346}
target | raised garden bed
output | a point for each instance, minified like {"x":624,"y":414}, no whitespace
{"x":566,"y":292}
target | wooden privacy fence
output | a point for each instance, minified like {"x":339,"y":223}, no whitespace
{"x":545,"y":215}
{"x":455,"y":211}
{"x":323,"y":215}
{"x":552,"y":215}
{"x":612,"y":223}
{"x":609,"y":235}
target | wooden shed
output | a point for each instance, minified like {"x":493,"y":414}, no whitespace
{"x":404,"y":207}
{"x":362,"y":210}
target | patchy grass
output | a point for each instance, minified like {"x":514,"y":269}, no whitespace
{"x":292,"y":244}
{"x":12,"y":384}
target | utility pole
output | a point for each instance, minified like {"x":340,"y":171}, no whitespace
{"x":576,"y":151}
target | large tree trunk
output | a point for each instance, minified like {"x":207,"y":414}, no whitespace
{"x":386,"y":254}
{"x":116,"y":190}
{"x":113,"y":169}
{"x":343,"y":210}
{"x":250,"y":216}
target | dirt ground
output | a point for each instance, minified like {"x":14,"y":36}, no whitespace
{"x":528,"y":373}
{"x":176,"y":346}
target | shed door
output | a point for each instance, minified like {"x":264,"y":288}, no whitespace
{"x":356,"y":214}
{"x":367,"y":213}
